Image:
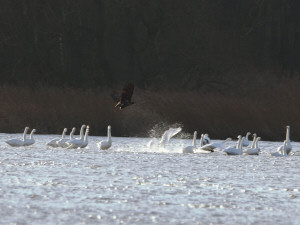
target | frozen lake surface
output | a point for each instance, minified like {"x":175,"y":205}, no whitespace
{"x":131,"y":184}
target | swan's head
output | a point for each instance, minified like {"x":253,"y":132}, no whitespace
{"x":248,"y":133}
{"x":109,"y":127}
{"x":287,"y":127}
{"x":33,"y":131}
{"x":254,"y":135}
{"x":228,"y":139}
{"x":239,"y":137}
{"x":87,"y":128}
{"x":65,"y":130}
{"x":83,"y":126}
{"x":73,"y":129}
{"x":258,"y":138}
{"x":26,"y":128}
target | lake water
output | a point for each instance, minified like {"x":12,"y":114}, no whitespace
{"x":131,"y":184}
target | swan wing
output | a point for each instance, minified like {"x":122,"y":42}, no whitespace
{"x":168,"y":134}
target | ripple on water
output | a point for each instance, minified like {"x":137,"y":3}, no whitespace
{"x":131,"y":184}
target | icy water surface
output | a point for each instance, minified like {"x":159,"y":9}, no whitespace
{"x":131,"y":184}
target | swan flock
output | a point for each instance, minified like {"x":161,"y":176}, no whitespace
{"x":205,"y":144}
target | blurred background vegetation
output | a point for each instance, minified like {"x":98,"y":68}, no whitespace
{"x":221,"y":67}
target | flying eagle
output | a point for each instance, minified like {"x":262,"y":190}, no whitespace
{"x":125,"y":99}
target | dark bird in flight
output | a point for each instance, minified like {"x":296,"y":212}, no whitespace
{"x":125,"y":99}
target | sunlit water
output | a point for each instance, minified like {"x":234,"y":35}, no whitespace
{"x":131,"y":184}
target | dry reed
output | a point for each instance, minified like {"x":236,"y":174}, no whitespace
{"x":265,"y":111}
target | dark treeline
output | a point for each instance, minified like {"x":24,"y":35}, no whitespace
{"x":157,"y":43}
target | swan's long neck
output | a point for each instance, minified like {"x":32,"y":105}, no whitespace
{"x":71,"y":134}
{"x":194,"y":138}
{"x":86,"y":133}
{"x":109,"y":133}
{"x":81,"y":132}
{"x":201,"y":140}
{"x":238,"y":143}
{"x":287,"y":138}
{"x":31,"y":135}
{"x":24,"y":134}
{"x":254,"y":141}
{"x":241,"y":143}
{"x":247,"y":135}
{"x":64,"y":133}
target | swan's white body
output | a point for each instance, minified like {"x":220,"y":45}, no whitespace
{"x":245,"y":143}
{"x":53,"y":142}
{"x":237,"y":150}
{"x":106,"y":144}
{"x":191,"y":148}
{"x":210,"y":147}
{"x":288,"y":142}
{"x":63,"y":141}
{"x":168,"y":134}
{"x":78,"y":142}
{"x":281,"y":153}
{"x":206,"y":139}
{"x":18,"y":142}
{"x":86,"y":137}
{"x":254,"y":150}
{"x":30,"y":140}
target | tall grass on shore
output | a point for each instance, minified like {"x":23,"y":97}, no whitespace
{"x":266,"y":111}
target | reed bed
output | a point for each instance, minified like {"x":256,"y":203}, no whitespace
{"x":221,"y":114}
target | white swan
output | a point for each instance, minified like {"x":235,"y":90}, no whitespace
{"x":165,"y":138}
{"x":288,"y":142}
{"x":18,"y":142}
{"x":245,"y":143}
{"x":53,"y":142}
{"x":281,"y":153}
{"x":30,"y":140}
{"x":168,"y":134}
{"x":86,"y":136}
{"x":106,"y":144}
{"x":237,"y":150}
{"x":210,"y":147}
{"x":254,"y":150}
{"x":76,"y":143}
{"x":206,"y":139}
{"x":62,"y":142}
{"x":191,"y":148}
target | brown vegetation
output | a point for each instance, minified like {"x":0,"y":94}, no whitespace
{"x":221,"y":114}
